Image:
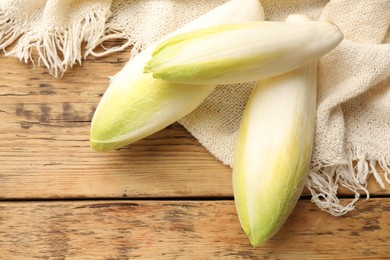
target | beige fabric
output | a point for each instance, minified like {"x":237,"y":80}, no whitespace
{"x":353,"y":119}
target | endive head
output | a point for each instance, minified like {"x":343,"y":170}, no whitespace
{"x":241,"y":52}
{"x":273,"y":151}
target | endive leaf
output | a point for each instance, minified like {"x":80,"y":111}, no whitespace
{"x":273,"y":150}
{"x":241,"y":52}
{"x":136,"y":105}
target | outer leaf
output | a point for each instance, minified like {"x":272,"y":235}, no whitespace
{"x":274,"y":150}
{"x":241,"y":52}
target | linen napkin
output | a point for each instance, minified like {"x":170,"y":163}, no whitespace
{"x":353,"y":116}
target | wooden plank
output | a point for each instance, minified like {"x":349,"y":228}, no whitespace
{"x":44,"y":140}
{"x":185,"y":230}
{"x":63,"y":166}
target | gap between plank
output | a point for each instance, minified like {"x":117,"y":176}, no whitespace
{"x":196,"y":198}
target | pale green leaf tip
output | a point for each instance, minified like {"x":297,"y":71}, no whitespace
{"x":147,"y":68}
{"x":100,"y":147}
{"x":257,"y":241}
{"x":101,"y":144}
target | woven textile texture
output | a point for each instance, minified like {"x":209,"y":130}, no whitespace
{"x":353,"y":116}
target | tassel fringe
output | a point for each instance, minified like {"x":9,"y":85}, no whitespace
{"x":10,"y":29}
{"x":323,"y":182}
{"x":60,"y":48}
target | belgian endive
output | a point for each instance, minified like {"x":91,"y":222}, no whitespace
{"x":274,"y":148}
{"x":241,"y":52}
{"x":136,"y":105}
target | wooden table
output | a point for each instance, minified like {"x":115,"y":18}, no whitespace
{"x":164,"y":197}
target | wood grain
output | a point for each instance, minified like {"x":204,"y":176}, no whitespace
{"x":185,"y":230}
{"x":45,"y":154}
{"x":44,"y":140}
{"x":44,"y":143}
